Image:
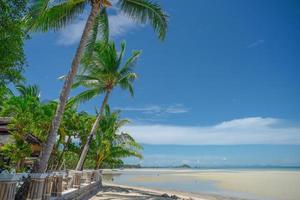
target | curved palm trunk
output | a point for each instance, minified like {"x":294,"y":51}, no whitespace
{"x":41,"y":165}
{"x":92,"y":133}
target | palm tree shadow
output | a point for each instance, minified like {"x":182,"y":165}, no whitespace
{"x":114,"y":193}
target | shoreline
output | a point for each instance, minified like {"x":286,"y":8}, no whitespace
{"x":162,"y":194}
{"x":212,"y":184}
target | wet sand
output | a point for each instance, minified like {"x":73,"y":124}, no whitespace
{"x":266,"y":184}
{"x":248,"y":184}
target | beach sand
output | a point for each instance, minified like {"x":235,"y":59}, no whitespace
{"x":269,"y":184}
{"x":121,"y":192}
{"x":248,"y":184}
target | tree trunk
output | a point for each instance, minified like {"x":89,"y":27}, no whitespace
{"x":92,"y":133}
{"x":53,"y":157}
{"x":41,"y":165}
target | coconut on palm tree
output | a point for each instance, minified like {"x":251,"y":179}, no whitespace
{"x":54,"y":15}
{"x":104,"y":72}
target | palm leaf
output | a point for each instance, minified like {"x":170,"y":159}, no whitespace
{"x":58,"y":16}
{"x":122,"y":51}
{"x":100,"y":27}
{"x":130,"y":63}
{"x":125,"y":82}
{"x":38,"y":7}
{"x":103,"y":25}
{"x":146,"y":11}
{"x":85,"y":96}
{"x":85,"y":80}
{"x":31,"y":90}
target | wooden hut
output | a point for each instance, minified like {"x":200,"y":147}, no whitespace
{"x":5,"y":137}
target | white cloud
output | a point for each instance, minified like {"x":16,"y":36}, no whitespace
{"x":248,"y":122}
{"x":255,"y":130}
{"x":71,"y":34}
{"x":157,"y":110}
{"x":119,"y":24}
{"x":256,"y":43}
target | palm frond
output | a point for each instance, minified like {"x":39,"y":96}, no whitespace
{"x":100,"y":27}
{"x":103,"y":25}
{"x":31,"y":90}
{"x":123,"y":122}
{"x":85,"y":80}
{"x":104,"y":57}
{"x":126,"y":82}
{"x":119,"y":152}
{"x":146,"y":11}
{"x":122,"y":51}
{"x":57,"y":16}
{"x":130,"y":63}
{"x":85,"y":96}
{"x":37,"y":8}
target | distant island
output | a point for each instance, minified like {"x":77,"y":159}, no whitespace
{"x":183,"y":166}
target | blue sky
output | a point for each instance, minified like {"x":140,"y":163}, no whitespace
{"x":227,"y":73}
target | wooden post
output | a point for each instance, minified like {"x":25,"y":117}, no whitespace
{"x":48,"y":187}
{"x":35,"y":191}
{"x":67,"y":182}
{"x":57,"y":186}
{"x":87,"y":176}
{"x":77,"y":179}
{"x":95,"y":176}
{"x":70,"y":177}
{"x":8,"y":183}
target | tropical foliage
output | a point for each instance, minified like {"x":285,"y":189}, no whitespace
{"x":53,"y":15}
{"x":30,"y":119}
{"x":109,"y":146}
{"x":12,"y":35}
{"x":101,"y":74}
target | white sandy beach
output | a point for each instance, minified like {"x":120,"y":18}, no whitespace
{"x":122,"y":192}
{"x":267,"y":184}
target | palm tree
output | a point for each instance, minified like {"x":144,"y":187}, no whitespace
{"x":109,"y":147}
{"x":46,"y":15}
{"x":28,"y":117}
{"x":74,"y":125}
{"x":102,"y":74}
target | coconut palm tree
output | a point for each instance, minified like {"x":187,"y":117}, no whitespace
{"x":54,"y":15}
{"x":102,"y":74}
{"x":110,"y":146}
{"x":28,"y":118}
{"x":73,"y":126}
